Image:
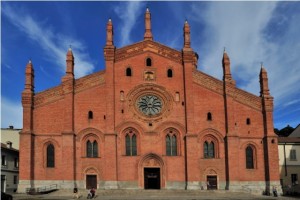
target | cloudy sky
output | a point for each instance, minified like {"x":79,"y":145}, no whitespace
{"x":252,"y":32}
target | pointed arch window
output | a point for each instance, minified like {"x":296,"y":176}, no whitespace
{"x":90,"y":115}
{"x":209,"y":116}
{"x":249,"y":158}
{"x":170,"y":73}
{"x":171,"y":145}
{"x":128,"y":72}
{"x":91,"y":149}
{"x":148,"y":62}
{"x":50,"y":156}
{"x":130,"y":142}
{"x":209,"y":149}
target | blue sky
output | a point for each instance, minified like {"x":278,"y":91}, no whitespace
{"x":252,"y":32}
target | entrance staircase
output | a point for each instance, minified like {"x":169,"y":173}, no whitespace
{"x":42,"y":190}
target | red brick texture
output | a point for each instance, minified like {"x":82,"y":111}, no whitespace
{"x":60,"y":116}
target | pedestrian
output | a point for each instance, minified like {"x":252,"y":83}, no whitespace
{"x":75,"y":193}
{"x":274,"y":191}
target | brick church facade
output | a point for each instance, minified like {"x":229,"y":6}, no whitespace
{"x":150,"y":120}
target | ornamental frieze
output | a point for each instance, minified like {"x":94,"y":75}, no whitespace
{"x":148,"y":46}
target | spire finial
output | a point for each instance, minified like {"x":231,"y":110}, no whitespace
{"x":224,"y":50}
{"x":29,"y":61}
{"x":70,"y":47}
{"x":109,"y":19}
{"x":148,"y":32}
{"x":261,"y":64}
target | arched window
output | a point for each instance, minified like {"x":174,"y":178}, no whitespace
{"x":249,"y":158}
{"x":170,"y":73}
{"x":91,"y":149}
{"x":90,"y":115}
{"x":50,"y":156}
{"x":130,"y":145}
{"x":209,"y":149}
{"x":148,"y":62}
{"x":128,"y":71}
{"x":248,"y":121}
{"x":209,"y":117}
{"x":171,"y":145}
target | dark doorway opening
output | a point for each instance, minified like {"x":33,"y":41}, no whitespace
{"x":212,"y":183}
{"x":91,"y":181}
{"x":152,"y":178}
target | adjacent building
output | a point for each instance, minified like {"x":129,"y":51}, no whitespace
{"x":9,"y":159}
{"x":289,"y":161}
{"x":150,"y":120}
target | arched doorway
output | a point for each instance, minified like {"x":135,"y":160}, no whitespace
{"x":151,"y":172}
{"x":211,"y":178}
{"x":91,"y":176}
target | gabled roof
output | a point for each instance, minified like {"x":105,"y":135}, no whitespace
{"x":296,"y":132}
{"x":148,"y":46}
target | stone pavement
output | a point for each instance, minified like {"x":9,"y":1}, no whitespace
{"x":153,"y":194}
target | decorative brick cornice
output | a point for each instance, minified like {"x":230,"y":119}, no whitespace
{"x":50,"y":95}
{"x":216,"y":85}
{"x":56,"y":93}
{"x":144,"y":46}
{"x":89,"y":81}
{"x":208,"y":82}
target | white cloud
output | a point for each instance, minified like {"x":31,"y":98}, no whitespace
{"x":253,"y":32}
{"x":128,"y":12}
{"x":11,"y":113}
{"x":54,"y":44}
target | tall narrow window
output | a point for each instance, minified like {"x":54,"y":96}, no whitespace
{"x":148,"y":62}
{"x":249,"y":158}
{"x":16,"y":163}
{"x":294,"y":178}
{"x":128,"y":71}
{"x":248,"y":121}
{"x":91,"y":149}
{"x":170,"y":73}
{"x":50,"y":156}
{"x":95,"y":149}
{"x":209,"y":116}
{"x":90,"y":115}
{"x":130,"y":142}
{"x":171,"y":145}
{"x":293,"y":155}
{"x":209,"y":149}
{"x":3,"y":160}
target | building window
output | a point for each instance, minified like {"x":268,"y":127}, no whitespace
{"x":248,"y":121}
{"x":15,"y":179}
{"x":130,"y":145}
{"x":3,"y":160}
{"x":171,"y":145}
{"x":16,"y":163}
{"x":91,"y":149}
{"x":122,"y":95}
{"x":294,"y":179}
{"x":249,"y":158}
{"x":148,"y":62}
{"x":209,"y":117}
{"x":293,"y":155}
{"x":50,"y":156}
{"x":90,"y":115}
{"x":170,"y":73}
{"x":128,"y":72}
{"x":209,"y":149}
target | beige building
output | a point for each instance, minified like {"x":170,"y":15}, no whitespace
{"x":289,"y":161}
{"x":9,"y":159}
